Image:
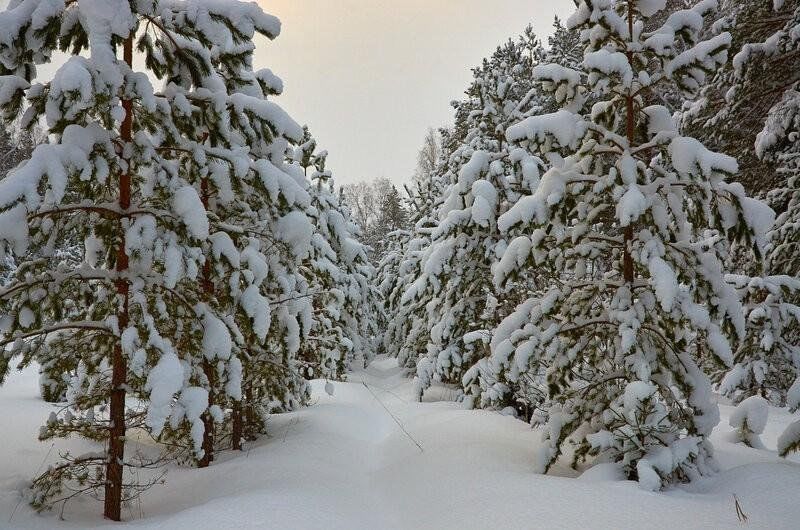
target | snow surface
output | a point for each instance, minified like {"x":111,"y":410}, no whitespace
{"x":344,"y":463}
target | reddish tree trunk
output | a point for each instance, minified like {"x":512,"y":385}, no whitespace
{"x":119,"y":369}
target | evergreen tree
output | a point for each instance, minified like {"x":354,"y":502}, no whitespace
{"x":338,"y":278}
{"x":455,"y":305}
{"x":783,"y":130}
{"x":752,"y":91}
{"x":764,"y":94}
{"x":564,"y":47}
{"x":393,"y":213}
{"x":640,"y":220}
{"x":768,"y":358}
{"x":388,"y":279}
{"x":129,"y":176}
{"x":377,"y":208}
{"x":393,"y":216}
{"x":406,"y":333}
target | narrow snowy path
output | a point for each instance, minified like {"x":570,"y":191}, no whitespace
{"x":345,"y":463}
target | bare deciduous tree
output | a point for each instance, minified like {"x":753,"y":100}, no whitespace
{"x":428,"y":156}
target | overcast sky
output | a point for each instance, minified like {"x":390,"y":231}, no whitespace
{"x":370,"y":76}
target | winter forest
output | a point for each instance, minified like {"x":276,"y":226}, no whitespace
{"x":582,"y":310}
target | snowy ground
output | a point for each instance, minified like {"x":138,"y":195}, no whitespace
{"x":345,"y":464}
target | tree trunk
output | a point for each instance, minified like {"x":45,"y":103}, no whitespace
{"x":208,"y":420}
{"x":249,"y":412}
{"x":237,"y":426}
{"x":208,"y":367}
{"x":119,"y":369}
{"x":630,"y":118}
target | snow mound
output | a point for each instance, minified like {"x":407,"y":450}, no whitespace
{"x":351,"y":461}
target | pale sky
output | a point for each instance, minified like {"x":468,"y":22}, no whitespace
{"x":370,"y":76}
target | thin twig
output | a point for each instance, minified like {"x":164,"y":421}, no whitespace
{"x":36,"y":473}
{"x":739,"y":512}
{"x":294,"y":421}
{"x":389,"y":412}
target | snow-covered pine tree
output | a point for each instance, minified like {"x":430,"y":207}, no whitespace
{"x":377,"y":208}
{"x":774,"y":63}
{"x":737,"y":102}
{"x":639,"y":219}
{"x":564,"y":47}
{"x":395,"y":225}
{"x":487,"y":178}
{"x":777,"y":145}
{"x":768,"y":357}
{"x":278,"y":238}
{"x":406,"y":331}
{"x":780,"y":140}
{"x":257,"y":205}
{"x":361,"y":296}
{"x":339,"y":278}
{"x":327,"y":351}
{"x":117,"y":178}
{"x":784,"y":257}
{"x":765,"y":87}
{"x":387,"y":279}
{"x":392,"y":217}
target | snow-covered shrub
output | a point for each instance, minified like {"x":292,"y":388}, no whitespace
{"x":749,"y":419}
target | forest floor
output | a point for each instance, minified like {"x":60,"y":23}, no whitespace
{"x":369,"y":457}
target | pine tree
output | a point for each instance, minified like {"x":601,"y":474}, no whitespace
{"x":764,"y":93}
{"x":393,"y":217}
{"x":640,"y":220}
{"x":388,"y":279}
{"x":260,"y":233}
{"x":768,"y":358}
{"x":125,"y":176}
{"x":339,"y":278}
{"x":779,"y":142}
{"x":452,"y":295}
{"x":737,"y":103}
{"x":377,"y":208}
{"x":417,"y":300}
{"x":406,"y":332}
{"x":564,"y":47}
{"x":784,"y":257}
